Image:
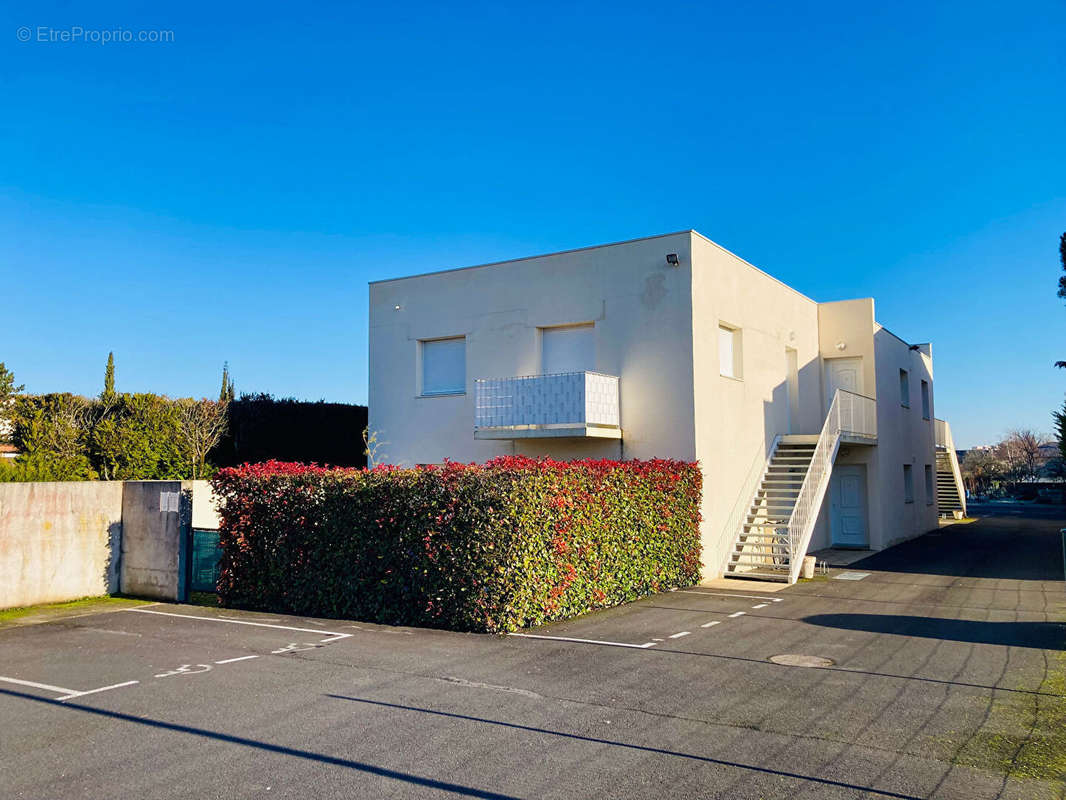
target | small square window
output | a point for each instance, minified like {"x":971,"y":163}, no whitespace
{"x":929,"y":491}
{"x":904,"y":388}
{"x":443,"y":366}
{"x":908,"y":484}
{"x":730,"y":360}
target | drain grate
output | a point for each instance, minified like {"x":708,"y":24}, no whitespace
{"x":795,"y":660}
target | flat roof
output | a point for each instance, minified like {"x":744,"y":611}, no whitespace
{"x":530,"y":258}
{"x":691,"y":231}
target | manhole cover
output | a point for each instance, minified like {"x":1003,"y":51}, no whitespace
{"x":851,"y":576}
{"x":794,"y":660}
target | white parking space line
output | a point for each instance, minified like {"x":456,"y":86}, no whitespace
{"x":742,"y":596}
{"x":45,"y":686}
{"x":679,"y":635}
{"x":94,"y":691}
{"x":761,"y":605}
{"x":736,"y":614}
{"x":711,"y":624}
{"x":232,"y":660}
{"x":644,"y":646}
{"x":332,"y":635}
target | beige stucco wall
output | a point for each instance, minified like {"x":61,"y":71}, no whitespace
{"x":737,"y":420}
{"x":657,"y":328}
{"x":58,"y":541}
{"x":849,"y":323}
{"x":204,"y":506}
{"x":904,"y":437}
{"x":641,"y":311}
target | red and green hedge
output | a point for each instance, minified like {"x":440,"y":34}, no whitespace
{"x":513,"y":543}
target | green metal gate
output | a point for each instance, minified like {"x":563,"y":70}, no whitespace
{"x":205,"y":557}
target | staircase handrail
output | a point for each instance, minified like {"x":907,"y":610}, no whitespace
{"x":735,"y":522}
{"x":849,"y":413}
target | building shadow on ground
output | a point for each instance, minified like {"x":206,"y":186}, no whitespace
{"x":1040,"y":635}
{"x":995,"y":548}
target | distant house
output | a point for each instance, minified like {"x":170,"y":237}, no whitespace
{"x":812,"y":422}
{"x":6,"y":450}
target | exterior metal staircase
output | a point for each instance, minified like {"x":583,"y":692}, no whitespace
{"x":761,"y":550}
{"x":950,"y":494}
{"x":770,"y":535}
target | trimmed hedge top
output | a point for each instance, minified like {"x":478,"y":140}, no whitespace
{"x":513,"y":543}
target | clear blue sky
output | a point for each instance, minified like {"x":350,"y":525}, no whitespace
{"x":227,"y":196}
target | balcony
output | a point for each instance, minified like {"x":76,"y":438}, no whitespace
{"x":568,"y":404}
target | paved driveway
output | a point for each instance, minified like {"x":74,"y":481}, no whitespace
{"x":944,"y":678}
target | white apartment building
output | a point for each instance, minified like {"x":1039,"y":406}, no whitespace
{"x":812,"y":423}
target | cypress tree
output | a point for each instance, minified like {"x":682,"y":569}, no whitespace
{"x":109,"y":377}
{"x":225,"y":395}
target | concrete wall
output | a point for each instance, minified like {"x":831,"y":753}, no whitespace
{"x":642,"y":315}
{"x":64,"y":541}
{"x":736,"y":420}
{"x":58,"y":541}
{"x":155,"y":515}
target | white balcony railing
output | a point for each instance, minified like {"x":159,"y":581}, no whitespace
{"x":942,"y":431}
{"x":547,"y":405}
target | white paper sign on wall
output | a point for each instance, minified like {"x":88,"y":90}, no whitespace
{"x":168,"y":501}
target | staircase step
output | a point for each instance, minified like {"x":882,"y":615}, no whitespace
{"x":756,"y":560}
{"x":761,"y":575}
{"x":779,"y":552}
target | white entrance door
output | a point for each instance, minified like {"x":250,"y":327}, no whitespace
{"x":847,"y":497}
{"x":567,"y":349}
{"x":842,"y":373}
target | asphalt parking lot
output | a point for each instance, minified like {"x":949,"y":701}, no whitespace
{"x":943,"y":677}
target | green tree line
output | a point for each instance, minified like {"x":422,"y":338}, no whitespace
{"x":115,"y":436}
{"x":144,"y":436}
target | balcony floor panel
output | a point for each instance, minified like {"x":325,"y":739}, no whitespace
{"x":561,"y":432}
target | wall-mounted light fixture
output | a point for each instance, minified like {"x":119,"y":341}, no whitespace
{"x":842,"y":346}
{"x":672,"y":260}
{"x":397,"y":308}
